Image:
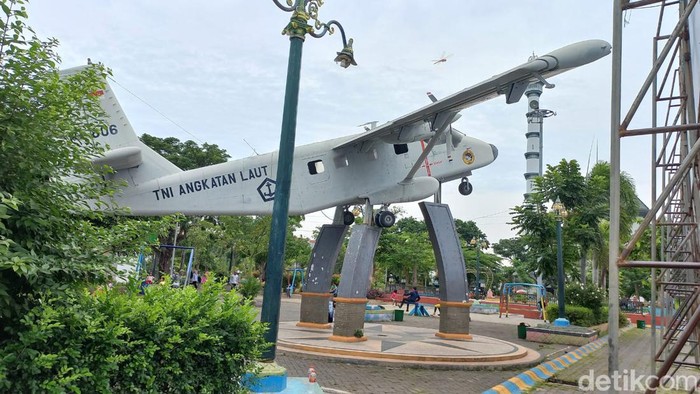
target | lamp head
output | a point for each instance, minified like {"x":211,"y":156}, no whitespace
{"x":559,"y":209}
{"x":345,"y":57}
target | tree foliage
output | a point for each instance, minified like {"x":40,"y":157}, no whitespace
{"x":587,"y":202}
{"x":516,"y":250}
{"x":404,"y":250}
{"x":215,"y":238}
{"x":186,"y":155}
{"x":470,"y":231}
{"x":167,"y":341}
{"x":51,"y":232}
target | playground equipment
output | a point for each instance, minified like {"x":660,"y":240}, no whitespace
{"x":290,"y":285}
{"x":488,"y":274}
{"x":177,"y":279}
{"x":525,"y":299}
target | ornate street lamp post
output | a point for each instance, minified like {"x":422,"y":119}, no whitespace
{"x":298,"y":27}
{"x":560,"y":212}
{"x":478,"y":244}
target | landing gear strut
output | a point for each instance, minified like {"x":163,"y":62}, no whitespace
{"x":465,"y":188}
{"x":384,"y":219}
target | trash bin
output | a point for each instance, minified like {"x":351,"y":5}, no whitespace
{"x":522,"y":330}
{"x":641,"y":324}
{"x":398,"y":314}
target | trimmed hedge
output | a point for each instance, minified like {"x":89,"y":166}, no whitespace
{"x":577,"y":315}
{"x":582,"y":316}
{"x":170,"y":340}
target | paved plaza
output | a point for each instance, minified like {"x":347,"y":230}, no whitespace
{"x":362,"y":376}
{"x":359,"y":373}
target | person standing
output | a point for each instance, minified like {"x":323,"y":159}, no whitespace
{"x":235,"y":279}
{"x":194,"y":281}
{"x":394,"y":298}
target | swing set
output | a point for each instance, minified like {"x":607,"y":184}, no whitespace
{"x":289,"y":290}
{"x":525,"y":299}
{"x":186,"y":259}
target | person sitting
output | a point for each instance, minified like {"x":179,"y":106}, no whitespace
{"x":412,"y":298}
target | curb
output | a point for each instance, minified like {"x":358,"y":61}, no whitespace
{"x":544,"y":371}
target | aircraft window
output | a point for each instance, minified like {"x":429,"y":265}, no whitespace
{"x":316,"y":167}
{"x":341,"y":161}
{"x":400,"y":149}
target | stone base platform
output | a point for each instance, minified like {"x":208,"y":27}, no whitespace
{"x":397,"y":344}
{"x":570,"y":335}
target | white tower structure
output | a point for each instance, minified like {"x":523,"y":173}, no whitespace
{"x":535,"y":117}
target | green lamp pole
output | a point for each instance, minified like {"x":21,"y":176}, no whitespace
{"x":560,"y":213}
{"x":298,"y":27}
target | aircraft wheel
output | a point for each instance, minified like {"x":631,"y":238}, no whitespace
{"x":385,"y":219}
{"x":348,"y":218}
{"x":465,"y":188}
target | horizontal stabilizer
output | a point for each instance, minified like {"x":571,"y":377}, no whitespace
{"x":120,"y":158}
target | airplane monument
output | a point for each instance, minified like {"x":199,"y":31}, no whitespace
{"x":404,"y":160}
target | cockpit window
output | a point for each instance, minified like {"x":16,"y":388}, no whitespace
{"x":316,"y":167}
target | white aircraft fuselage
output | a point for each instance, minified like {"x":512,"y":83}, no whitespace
{"x":345,"y":177}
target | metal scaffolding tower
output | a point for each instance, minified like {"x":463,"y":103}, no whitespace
{"x":675,"y":212}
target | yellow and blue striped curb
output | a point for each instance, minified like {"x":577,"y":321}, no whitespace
{"x":544,"y":371}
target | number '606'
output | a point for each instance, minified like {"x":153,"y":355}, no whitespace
{"x":112,"y":129}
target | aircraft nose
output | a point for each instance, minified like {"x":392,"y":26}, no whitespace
{"x":494,"y":150}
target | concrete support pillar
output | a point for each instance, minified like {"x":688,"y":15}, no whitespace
{"x":454,"y":320}
{"x":354,"y":283}
{"x":314,"y":310}
{"x":349,"y":318}
{"x":315,"y":297}
{"x":452,"y":275}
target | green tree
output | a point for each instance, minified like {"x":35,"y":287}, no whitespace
{"x":599,"y":183}
{"x":51,"y":208}
{"x":587,"y":203}
{"x":516,"y":250}
{"x":248,"y":237}
{"x":404,"y":250}
{"x":537,"y":225}
{"x":186,"y":155}
{"x":469,"y":230}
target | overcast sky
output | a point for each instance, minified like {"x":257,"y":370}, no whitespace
{"x":215,"y":72}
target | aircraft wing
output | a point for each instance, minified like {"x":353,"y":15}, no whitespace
{"x":511,"y":83}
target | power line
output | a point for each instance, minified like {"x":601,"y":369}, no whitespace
{"x":156,"y":110}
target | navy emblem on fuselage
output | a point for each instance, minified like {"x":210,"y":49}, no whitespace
{"x":267,"y":190}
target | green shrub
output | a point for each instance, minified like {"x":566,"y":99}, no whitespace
{"x":622,"y":317}
{"x":249,"y":288}
{"x":624,"y":322}
{"x":170,"y":340}
{"x":577,"y":315}
{"x":588,"y":296}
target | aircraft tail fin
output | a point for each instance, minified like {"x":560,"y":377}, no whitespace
{"x":132,"y":160}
